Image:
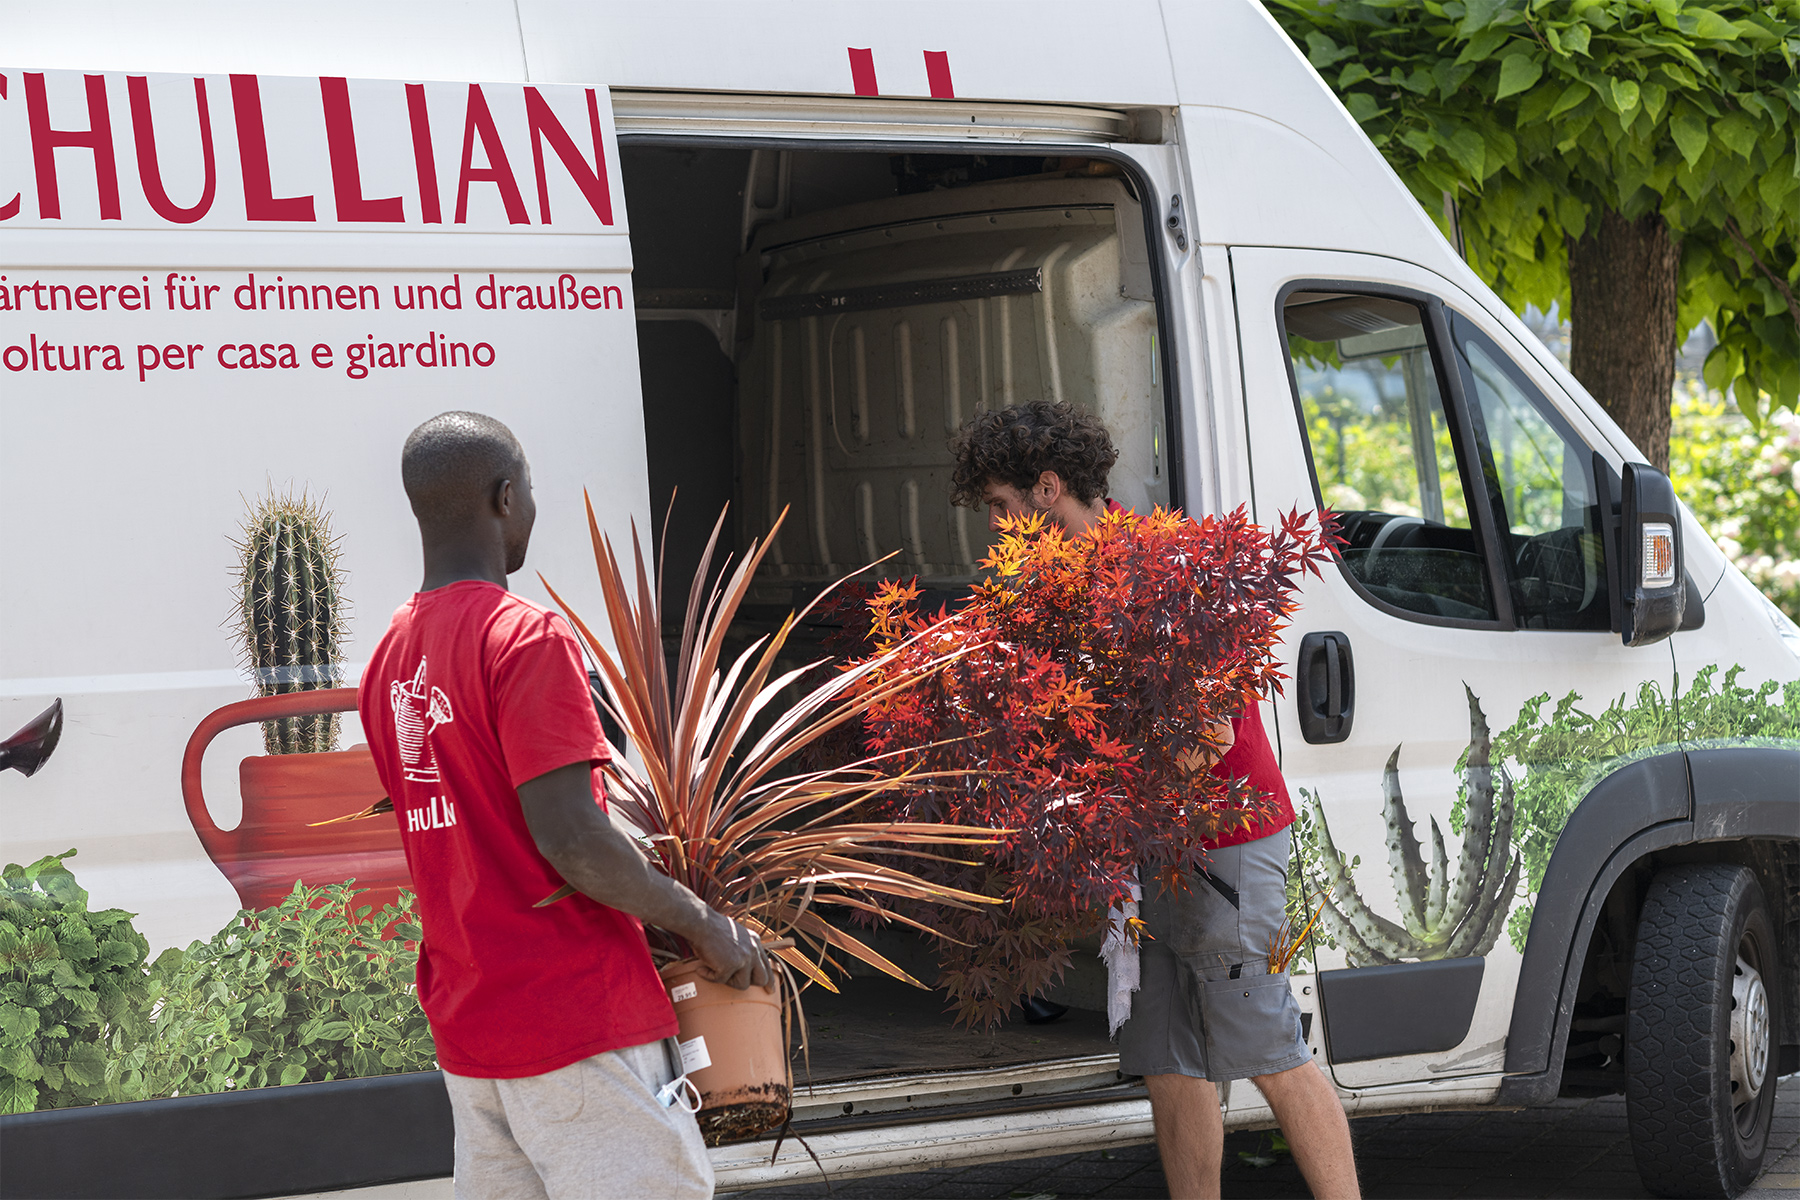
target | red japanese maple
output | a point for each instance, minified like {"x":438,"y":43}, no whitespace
{"x":1092,"y":676}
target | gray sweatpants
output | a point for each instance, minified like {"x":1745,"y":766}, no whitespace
{"x":592,"y":1129}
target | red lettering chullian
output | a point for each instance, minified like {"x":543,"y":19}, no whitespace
{"x":346,"y":172}
{"x":260,"y":202}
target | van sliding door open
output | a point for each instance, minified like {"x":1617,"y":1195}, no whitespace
{"x":814,"y":325}
{"x":814,"y":349}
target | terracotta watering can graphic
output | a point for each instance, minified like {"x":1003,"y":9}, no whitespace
{"x":279,"y":840}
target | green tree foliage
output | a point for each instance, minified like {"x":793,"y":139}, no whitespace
{"x":1744,"y":488}
{"x":315,"y":988}
{"x":73,"y":994}
{"x":1538,"y":115}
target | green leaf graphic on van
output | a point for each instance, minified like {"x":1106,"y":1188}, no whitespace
{"x":72,"y":990}
{"x":318,"y":987}
{"x":1557,"y":755}
{"x":1564,"y":752}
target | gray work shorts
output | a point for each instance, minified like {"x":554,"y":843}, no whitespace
{"x":593,"y":1128}
{"x":1206,"y":1005}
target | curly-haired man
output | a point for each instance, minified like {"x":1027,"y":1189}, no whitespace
{"x":1201,"y":1014}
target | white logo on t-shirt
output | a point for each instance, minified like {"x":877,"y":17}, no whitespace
{"x":413,"y":707}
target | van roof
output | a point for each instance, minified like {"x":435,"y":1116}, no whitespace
{"x":1281,"y":162}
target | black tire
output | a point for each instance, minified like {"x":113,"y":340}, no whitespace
{"x":1693,"y":1131}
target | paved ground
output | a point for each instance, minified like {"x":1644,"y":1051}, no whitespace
{"x":1577,"y":1148}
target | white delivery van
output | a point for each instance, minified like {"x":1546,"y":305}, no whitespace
{"x":772,"y":255}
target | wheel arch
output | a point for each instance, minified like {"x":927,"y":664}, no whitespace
{"x":1734,"y":804}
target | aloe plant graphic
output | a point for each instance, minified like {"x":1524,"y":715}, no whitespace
{"x":1442,"y":915}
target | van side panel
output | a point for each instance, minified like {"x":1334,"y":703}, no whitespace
{"x":397,"y":39}
{"x":160,"y":378}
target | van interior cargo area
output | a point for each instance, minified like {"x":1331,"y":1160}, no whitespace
{"x":813,"y":326}
{"x":880,"y":1026}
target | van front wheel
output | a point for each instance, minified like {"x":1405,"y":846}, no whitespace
{"x":1699,"y":1036}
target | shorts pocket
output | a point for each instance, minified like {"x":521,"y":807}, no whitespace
{"x":1197,"y":924}
{"x":1251,"y":1024}
{"x":557,"y":1096}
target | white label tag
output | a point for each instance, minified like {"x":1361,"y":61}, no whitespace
{"x":693,"y":1055}
{"x":683,"y":991}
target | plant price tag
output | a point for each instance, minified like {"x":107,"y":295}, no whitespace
{"x":694,"y":1055}
{"x":683,"y":991}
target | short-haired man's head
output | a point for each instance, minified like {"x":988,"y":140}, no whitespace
{"x":451,"y":464}
{"x":1016,"y":445}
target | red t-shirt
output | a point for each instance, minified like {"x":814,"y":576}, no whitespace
{"x":471,"y":692}
{"x":1250,"y":758}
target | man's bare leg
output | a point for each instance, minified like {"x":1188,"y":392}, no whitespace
{"x":1190,"y":1134}
{"x":1312,"y":1119}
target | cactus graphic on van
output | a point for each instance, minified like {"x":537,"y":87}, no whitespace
{"x":291,"y":614}
{"x":1443,"y":914}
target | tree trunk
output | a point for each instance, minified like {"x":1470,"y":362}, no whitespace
{"x":1622,"y":317}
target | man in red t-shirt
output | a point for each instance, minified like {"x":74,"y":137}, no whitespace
{"x":1206,"y":1008}
{"x":552,"y":1027}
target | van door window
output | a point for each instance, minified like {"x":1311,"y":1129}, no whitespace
{"x":1542,"y":479}
{"x":1383,"y":452}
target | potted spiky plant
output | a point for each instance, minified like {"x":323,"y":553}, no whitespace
{"x":291,"y":616}
{"x":722,"y":805}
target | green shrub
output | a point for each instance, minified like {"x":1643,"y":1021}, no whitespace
{"x":1743,"y":484}
{"x":73,"y":995}
{"x":309,"y":990}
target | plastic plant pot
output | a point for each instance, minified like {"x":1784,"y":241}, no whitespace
{"x":745,"y":1086}
{"x":274,"y":845}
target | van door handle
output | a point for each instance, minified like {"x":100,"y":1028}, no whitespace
{"x":1325,"y":687}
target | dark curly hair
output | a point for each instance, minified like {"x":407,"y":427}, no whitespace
{"x":1017,"y":444}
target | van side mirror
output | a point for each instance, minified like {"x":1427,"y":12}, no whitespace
{"x":1652,"y":579}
